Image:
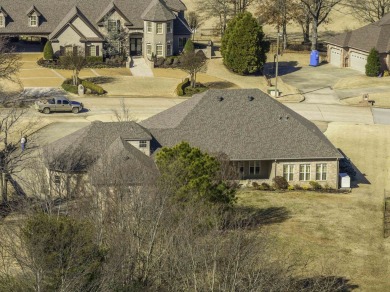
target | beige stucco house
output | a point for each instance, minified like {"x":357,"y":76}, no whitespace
{"x":146,"y":26}
{"x":351,"y":49}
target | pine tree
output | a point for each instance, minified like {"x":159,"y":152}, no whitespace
{"x":48,"y":53}
{"x":189,"y":47}
{"x":243,"y":49}
{"x":373,"y":66}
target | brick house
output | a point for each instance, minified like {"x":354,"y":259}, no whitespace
{"x":351,"y":49}
{"x":150,"y":26}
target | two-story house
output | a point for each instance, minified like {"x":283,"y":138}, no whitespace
{"x":135,"y":27}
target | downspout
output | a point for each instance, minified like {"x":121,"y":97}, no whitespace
{"x":338,"y":174}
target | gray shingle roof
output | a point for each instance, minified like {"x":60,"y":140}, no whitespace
{"x":122,"y":163}
{"x":157,"y":11}
{"x":246,"y":124}
{"x":374,"y":35}
{"x":54,"y":11}
{"x":79,"y":150}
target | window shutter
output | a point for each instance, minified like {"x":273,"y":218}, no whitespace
{"x":97,"y":50}
{"x":62,"y":50}
{"x":88,"y":50}
{"x":118,"y":25}
{"x":75,"y":51}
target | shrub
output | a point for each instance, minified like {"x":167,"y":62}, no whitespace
{"x":48,"y":53}
{"x":188,"y":47}
{"x":280,"y":183}
{"x":70,"y":88}
{"x":176,"y":62}
{"x":159,"y":62}
{"x":315,"y":185}
{"x":373,"y":65}
{"x":291,"y":188}
{"x":189,"y":91}
{"x":182,"y":86}
{"x":94,"y":59}
{"x":168,"y":61}
{"x":255,"y":185}
{"x":265,"y":187}
{"x":93,"y":87}
{"x":298,"y":187}
{"x":386,"y":73}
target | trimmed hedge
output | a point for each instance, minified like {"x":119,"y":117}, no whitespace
{"x":93,"y":87}
{"x":94,"y":59}
{"x":48,"y":53}
{"x":180,"y":90}
{"x":70,"y":88}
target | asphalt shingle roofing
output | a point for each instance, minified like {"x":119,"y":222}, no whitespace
{"x":374,"y":35}
{"x":157,"y":11}
{"x":245,"y":124}
{"x":81,"y":149}
{"x":54,"y":11}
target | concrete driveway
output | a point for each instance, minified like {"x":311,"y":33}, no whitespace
{"x":316,"y":83}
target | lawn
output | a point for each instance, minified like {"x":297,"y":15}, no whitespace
{"x":339,"y":231}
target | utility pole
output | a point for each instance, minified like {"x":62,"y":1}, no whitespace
{"x":277,"y":66}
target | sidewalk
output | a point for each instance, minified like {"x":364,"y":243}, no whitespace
{"x":140,"y":68}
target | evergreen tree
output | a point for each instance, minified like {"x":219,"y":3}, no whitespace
{"x":48,"y":53}
{"x":190,"y":175}
{"x":373,"y":66}
{"x":189,"y":47}
{"x":243,"y":49}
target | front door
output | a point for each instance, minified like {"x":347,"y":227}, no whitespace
{"x":135,"y":46}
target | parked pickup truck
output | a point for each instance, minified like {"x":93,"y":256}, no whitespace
{"x":58,"y":104}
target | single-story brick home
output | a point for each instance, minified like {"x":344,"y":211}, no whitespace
{"x":351,"y":49}
{"x":262,"y":138}
{"x":150,"y":26}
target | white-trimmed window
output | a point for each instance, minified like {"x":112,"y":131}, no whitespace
{"x":143,"y":144}
{"x":69,"y":50}
{"x":169,"y":49}
{"x":2,"y":20}
{"x":149,"y":27}
{"x":148,"y":49}
{"x":304,"y":172}
{"x":159,"y":50}
{"x":159,"y":28}
{"x":254,"y":167}
{"x":288,"y":172}
{"x":321,"y":171}
{"x":113,"y":25}
{"x":33,"y":20}
{"x":169,"y":27}
{"x":92,"y":51}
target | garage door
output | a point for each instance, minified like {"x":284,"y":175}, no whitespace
{"x":358,"y":61}
{"x":335,"y":57}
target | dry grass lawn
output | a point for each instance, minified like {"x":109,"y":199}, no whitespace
{"x":113,"y":72}
{"x":343,"y":231}
{"x":381,"y":99}
{"x":361,"y":82}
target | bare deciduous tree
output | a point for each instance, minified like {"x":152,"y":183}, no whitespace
{"x":319,"y":11}
{"x":194,"y":22}
{"x":193,"y":63}
{"x":369,"y":10}
{"x":74,"y":61}
{"x":220,"y":9}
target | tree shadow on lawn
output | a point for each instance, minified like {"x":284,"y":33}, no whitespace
{"x":325,"y":283}
{"x":219,"y":85}
{"x":101,"y":79}
{"x":284,"y":68}
{"x":248,"y":217}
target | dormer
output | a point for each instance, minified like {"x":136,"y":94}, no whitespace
{"x":3,"y":17}
{"x":33,"y":15}
{"x":112,"y":23}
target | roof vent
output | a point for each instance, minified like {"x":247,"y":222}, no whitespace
{"x":250,"y":98}
{"x":287,"y":118}
{"x":220,"y":98}
{"x":280,"y":118}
